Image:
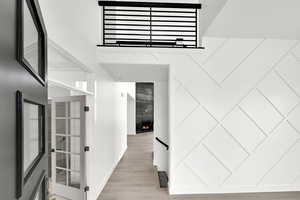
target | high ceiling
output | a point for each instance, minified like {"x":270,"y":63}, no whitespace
{"x":258,"y":19}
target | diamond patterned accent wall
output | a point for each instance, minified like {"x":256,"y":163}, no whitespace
{"x":251,"y":88}
{"x":235,"y":116}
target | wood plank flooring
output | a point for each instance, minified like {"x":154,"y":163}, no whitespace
{"x":135,"y":178}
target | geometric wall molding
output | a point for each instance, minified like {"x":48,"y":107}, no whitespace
{"x":235,"y":115}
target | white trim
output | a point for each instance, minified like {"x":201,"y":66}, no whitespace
{"x":231,"y":190}
{"x":60,"y":84}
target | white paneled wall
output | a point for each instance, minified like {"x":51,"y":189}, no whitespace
{"x":161,"y":125}
{"x":235,"y":115}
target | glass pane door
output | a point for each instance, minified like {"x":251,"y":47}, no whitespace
{"x":68,"y":135}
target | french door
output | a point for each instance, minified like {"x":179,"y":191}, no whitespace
{"x":68,"y":147}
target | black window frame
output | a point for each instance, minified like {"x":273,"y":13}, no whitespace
{"x":37,"y":17}
{"x":24,"y":176}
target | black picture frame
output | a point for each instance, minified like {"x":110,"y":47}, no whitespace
{"x":40,"y":188}
{"x":37,"y":17}
{"x":23,"y":176}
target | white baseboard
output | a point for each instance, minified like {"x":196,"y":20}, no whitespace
{"x":232,"y":190}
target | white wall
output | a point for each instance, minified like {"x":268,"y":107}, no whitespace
{"x":131,"y":116}
{"x":127,"y":106}
{"x":161,"y":125}
{"x":54,"y":91}
{"x":108,"y":140}
{"x":129,"y":90}
{"x":73,"y":26}
{"x":257,"y":19}
{"x":234,"y":127}
{"x":234,"y":114}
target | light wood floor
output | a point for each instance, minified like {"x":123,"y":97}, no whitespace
{"x":135,"y":179}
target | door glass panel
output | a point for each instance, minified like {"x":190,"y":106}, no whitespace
{"x":61,"y":160}
{"x":61,"y":143}
{"x":61,"y":176}
{"x":74,"y":162}
{"x":74,"y":144}
{"x":74,"y":179}
{"x":30,"y":38}
{"x":74,"y":109}
{"x":60,"y":109}
{"x":68,"y":166}
{"x":74,"y":126}
{"x":31,"y":133}
{"x":61,"y":127}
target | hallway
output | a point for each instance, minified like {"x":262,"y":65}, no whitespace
{"x":135,"y":178}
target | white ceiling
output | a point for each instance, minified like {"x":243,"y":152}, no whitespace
{"x":209,"y":11}
{"x":258,"y":19}
{"x":137,"y":72}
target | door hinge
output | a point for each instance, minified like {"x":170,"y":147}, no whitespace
{"x":86,"y":108}
{"x":86,"y":188}
{"x":86,"y":148}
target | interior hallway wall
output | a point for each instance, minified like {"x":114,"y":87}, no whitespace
{"x":130,"y":115}
{"x":161,"y":125}
{"x":128,"y":89}
{"x":234,"y":114}
{"x":108,"y":138}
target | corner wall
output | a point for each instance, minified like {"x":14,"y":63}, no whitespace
{"x":128,"y":90}
{"x":161,"y":125}
{"x":234,"y":114}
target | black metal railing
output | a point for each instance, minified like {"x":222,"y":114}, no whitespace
{"x":145,"y":24}
{"x":161,"y":142}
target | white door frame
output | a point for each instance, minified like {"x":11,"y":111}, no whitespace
{"x":59,"y":189}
